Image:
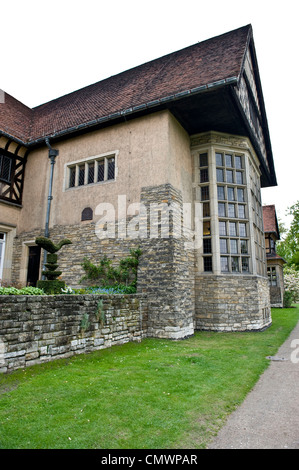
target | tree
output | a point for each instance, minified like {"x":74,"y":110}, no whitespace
{"x":288,"y":248}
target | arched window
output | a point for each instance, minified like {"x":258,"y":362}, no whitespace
{"x":87,"y":214}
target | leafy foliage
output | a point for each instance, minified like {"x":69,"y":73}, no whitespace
{"x":288,"y":248}
{"x":121,"y":278}
{"x":23,"y":291}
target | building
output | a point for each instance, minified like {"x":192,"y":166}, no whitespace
{"x":275,"y":262}
{"x":169,"y":156}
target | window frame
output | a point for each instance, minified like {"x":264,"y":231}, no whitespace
{"x":86,"y":162}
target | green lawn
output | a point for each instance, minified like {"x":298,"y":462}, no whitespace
{"x":158,"y":394}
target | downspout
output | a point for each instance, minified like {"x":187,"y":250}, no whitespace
{"x":52,"y":155}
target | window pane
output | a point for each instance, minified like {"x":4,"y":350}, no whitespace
{"x":206,"y":209}
{"x":239,"y":177}
{"x":230,"y":194}
{"x":233,"y":246}
{"x":229,"y":176}
{"x":203,"y":159}
{"x":231,"y":210}
{"x":224,"y":264}
{"x":244,"y":249}
{"x":205,"y":195}
{"x":238,"y":162}
{"x":242,"y":230}
{"x":72,"y":177}
{"x":111,"y":168}
{"x":240,"y":192}
{"x":235,"y":264}
{"x":207,"y":261}
{"x":245,"y":265}
{"x":219,"y":159}
{"x":228,"y":161}
{"x":220,"y":177}
{"x":241,"y":211}
{"x":207,"y":245}
{"x":90,"y":173}
{"x":232,"y":229}
{"x":206,"y":228}
{"x":204,"y":175}
{"x":81,"y":175}
{"x":5,"y":168}
{"x":223,"y":245}
{"x":221,"y":209}
{"x":220,"y":192}
{"x":222,"y":228}
{"x":101,"y":170}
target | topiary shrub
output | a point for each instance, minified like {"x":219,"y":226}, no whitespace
{"x":51,"y":285}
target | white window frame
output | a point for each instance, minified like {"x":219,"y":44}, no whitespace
{"x":86,"y":161}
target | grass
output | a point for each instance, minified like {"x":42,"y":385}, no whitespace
{"x":157,"y":394}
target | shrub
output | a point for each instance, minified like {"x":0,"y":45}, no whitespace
{"x":23,"y":291}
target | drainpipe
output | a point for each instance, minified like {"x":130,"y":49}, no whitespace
{"x":52,"y":155}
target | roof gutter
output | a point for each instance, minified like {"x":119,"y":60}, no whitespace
{"x":142,"y":107}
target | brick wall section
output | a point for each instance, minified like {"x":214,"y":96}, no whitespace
{"x":36,"y":329}
{"x":232,"y":303}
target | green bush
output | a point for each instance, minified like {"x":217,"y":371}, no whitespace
{"x":24,"y":291}
{"x":51,"y":287}
{"x":287,"y":299}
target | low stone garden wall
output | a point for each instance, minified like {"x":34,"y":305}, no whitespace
{"x":36,"y":329}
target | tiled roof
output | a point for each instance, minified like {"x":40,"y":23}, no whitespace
{"x":270,"y":220}
{"x":204,"y":63}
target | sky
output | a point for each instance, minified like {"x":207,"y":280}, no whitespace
{"x":51,"y":48}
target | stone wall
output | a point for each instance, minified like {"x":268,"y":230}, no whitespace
{"x":232,"y":303}
{"x":36,"y":329}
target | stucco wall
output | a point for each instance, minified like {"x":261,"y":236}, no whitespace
{"x":151,"y":150}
